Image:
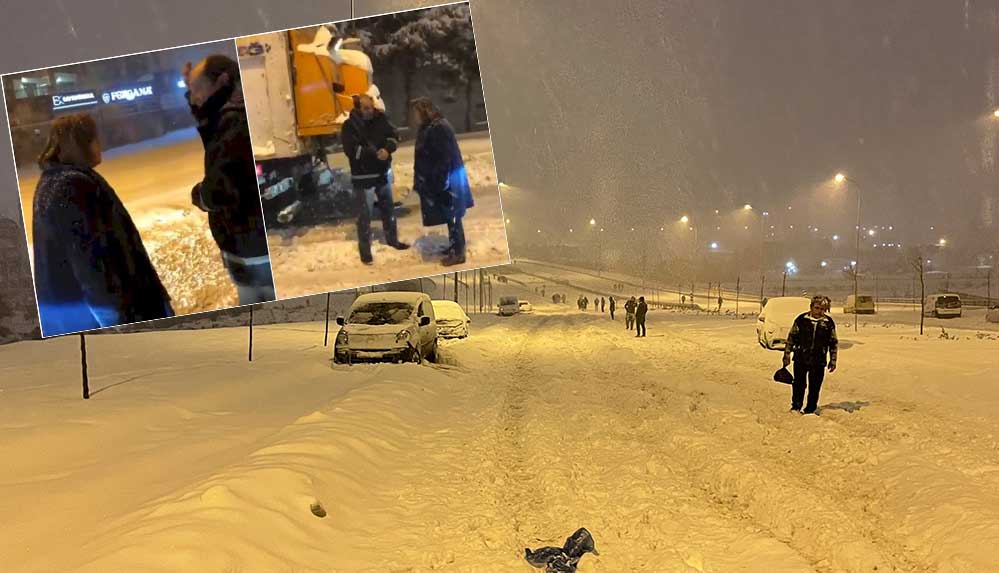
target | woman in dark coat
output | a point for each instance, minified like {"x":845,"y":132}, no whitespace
{"x":440,"y":178}
{"x":91,"y":269}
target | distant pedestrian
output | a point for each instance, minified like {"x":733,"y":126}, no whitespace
{"x":811,"y":339}
{"x":629,"y":309}
{"x":640,"y":313}
{"x":554,"y":299}
{"x":719,"y":302}
{"x":613,"y":307}
{"x":603,"y":304}
{"x":683,"y":299}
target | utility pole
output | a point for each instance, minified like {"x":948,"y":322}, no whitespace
{"x":83,"y":366}
{"x":783,"y":286}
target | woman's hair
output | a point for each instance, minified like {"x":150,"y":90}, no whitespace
{"x":425,"y":109}
{"x":69,"y":140}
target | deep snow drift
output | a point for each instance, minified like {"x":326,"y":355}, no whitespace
{"x":675,"y":451}
{"x":325,"y":258}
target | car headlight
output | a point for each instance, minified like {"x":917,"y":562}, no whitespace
{"x":402,"y":336}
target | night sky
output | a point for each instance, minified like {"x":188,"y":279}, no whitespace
{"x":638,"y":112}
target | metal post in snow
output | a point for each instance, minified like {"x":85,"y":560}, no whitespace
{"x":83,"y":366}
{"x":738,"y":288}
{"x":250,"y":351}
{"x":763,"y":280}
{"x":783,"y":286}
{"x":326,"y":336}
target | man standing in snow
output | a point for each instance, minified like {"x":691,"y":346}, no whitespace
{"x":603,"y":304}
{"x":719,"y":302}
{"x":629,"y":309}
{"x":228,"y":192}
{"x":640,"y":313}
{"x":812,"y":338}
{"x":369,"y":141}
{"x":613,"y":306}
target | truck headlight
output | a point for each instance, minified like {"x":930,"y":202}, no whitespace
{"x":402,"y":337}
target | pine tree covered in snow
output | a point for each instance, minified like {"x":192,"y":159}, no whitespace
{"x":413,"y":41}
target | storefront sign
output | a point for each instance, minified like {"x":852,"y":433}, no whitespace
{"x":73,"y":100}
{"x":129,"y":94}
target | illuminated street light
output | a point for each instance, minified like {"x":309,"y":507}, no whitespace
{"x":943,"y":242}
{"x":870,"y":233}
{"x":824,"y":264}
{"x":593,"y":221}
{"x":995,"y":113}
{"x":835,"y":237}
{"x":508,"y":221}
{"x":747,"y":207}
{"x":714,"y":246}
{"x":685,"y":219}
{"x":840,"y":178}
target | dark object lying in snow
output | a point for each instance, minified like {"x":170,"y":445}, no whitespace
{"x":563,"y":559}
{"x":784,"y":376}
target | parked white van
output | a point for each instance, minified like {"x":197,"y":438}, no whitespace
{"x":862,"y":304}
{"x":944,"y":305}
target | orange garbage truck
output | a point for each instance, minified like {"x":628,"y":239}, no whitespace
{"x":300,"y":87}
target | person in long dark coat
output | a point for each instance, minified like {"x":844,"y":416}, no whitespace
{"x":91,"y":268}
{"x":440,"y":178}
{"x":228,"y":192}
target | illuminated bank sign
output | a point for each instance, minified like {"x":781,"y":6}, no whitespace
{"x":73,"y":100}
{"x":128,"y":94}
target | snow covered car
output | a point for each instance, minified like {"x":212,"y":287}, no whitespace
{"x":452,"y":322}
{"x":387,"y":327}
{"x":508,"y":306}
{"x":774,"y":322}
{"x":524,"y":306}
{"x":862,"y":304}
{"x":992,"y":315}
{"x":943,"y":306}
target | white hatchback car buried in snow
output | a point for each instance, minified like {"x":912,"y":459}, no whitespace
{"x":774,"y":322}
{"x":524,"y":306}
{"x":388,"y":327}
{"x":452,"y":322}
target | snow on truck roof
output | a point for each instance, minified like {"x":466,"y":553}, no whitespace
{"x":407,"y":297}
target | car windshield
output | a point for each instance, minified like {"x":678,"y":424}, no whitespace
{"x":506,"y":301}
{"x":448,"y":312}
{"x":948,"y":302}
{"x":381,"y":313}
{"x":865,"y":299}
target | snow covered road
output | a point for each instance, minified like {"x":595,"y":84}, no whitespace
{"x":675,"y":451}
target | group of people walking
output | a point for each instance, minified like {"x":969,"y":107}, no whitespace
{"x":92,"y":269}
{"x":369,"y":141}
{"x":635,"y":310}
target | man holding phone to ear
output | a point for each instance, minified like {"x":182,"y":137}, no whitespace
{"x":369,"y":140}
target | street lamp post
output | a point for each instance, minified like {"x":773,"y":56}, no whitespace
{"x":841,"y":178}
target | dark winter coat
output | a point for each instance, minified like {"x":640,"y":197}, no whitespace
{"x":613,"y":304}
{"x":91,"y":268}
{"x":229,"y":193}
{"x":641,"y":310}
{"x":630,"y":306}
{"x":361,"y":139}
{"x":439,"y":174}
{"x":811,"y":340}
